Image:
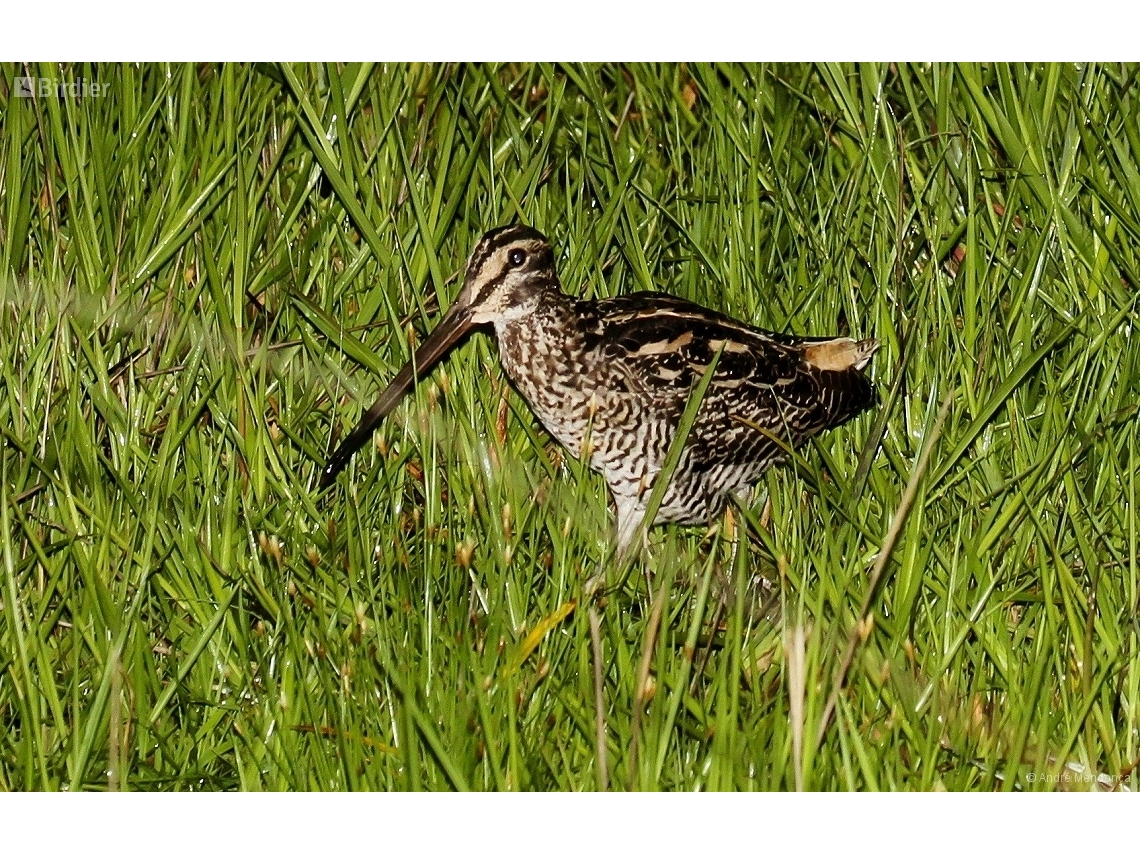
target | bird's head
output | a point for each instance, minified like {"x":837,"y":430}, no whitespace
{"x":508,"y":270}
{"x":506,"y":274}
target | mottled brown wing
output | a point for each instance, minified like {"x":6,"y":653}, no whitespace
{"x":762,"y":378}
{"x":669,"y":342}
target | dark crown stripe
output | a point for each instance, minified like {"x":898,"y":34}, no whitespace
{"x":494,"y":241}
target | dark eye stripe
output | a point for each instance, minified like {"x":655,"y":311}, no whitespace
{"x":490,"y":285}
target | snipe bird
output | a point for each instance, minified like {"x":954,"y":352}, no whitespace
{"x":615,"y":375}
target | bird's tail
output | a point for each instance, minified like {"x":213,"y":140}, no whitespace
{"x":841,"y":354}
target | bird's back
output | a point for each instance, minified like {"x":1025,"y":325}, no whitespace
{"x":783,"y":383}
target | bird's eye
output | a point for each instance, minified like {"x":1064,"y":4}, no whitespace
{"x":516,"y":257}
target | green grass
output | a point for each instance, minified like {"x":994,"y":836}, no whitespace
{"x":209,"y":271}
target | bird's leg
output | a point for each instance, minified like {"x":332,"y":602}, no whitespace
{"x":630,"y":513}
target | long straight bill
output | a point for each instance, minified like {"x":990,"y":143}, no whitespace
{"x":449,"y":330}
